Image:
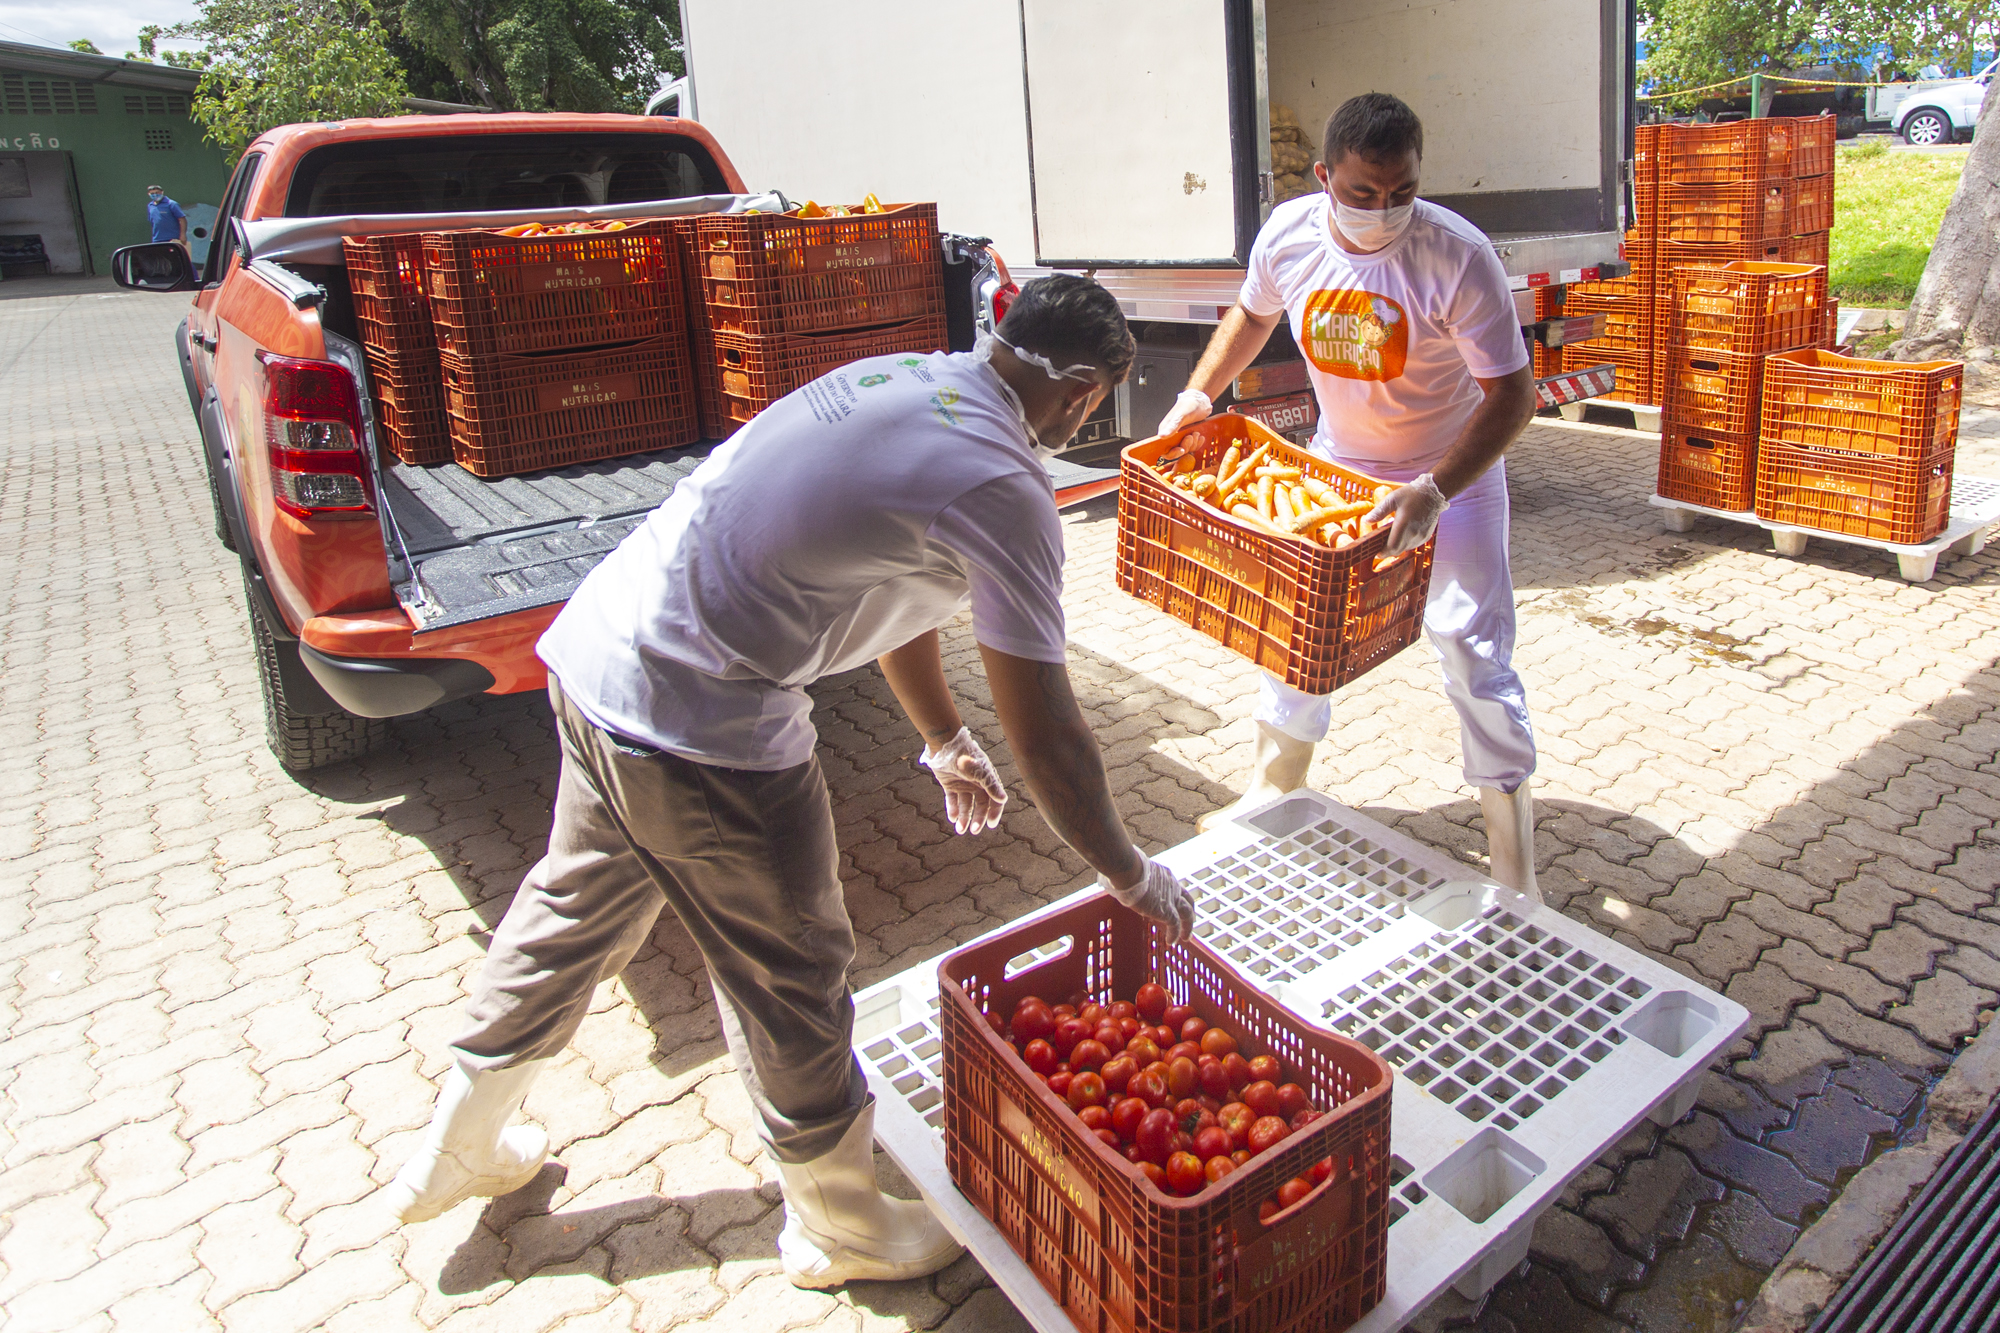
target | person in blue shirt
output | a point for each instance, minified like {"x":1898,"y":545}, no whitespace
{"x":169,"y":222}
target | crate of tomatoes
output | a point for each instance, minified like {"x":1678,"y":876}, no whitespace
{"x":1166,"y":1147}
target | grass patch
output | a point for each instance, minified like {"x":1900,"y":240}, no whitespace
{"x":1886,"y":211}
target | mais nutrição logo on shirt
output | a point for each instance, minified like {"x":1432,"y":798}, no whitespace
{"x":941,"y":404}
{"x":1355,"y":335}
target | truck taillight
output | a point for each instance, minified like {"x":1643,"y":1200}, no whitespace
{"x":1003,"y":296}
{"x":312,"y":424}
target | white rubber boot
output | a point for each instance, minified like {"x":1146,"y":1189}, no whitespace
{"x":470,"y":1149}
{"x":1280,"y":767}
{"x":1510,"y":837}
{"x":840,"y":1227}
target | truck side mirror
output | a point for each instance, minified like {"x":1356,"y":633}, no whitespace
{"x":161,"y":266}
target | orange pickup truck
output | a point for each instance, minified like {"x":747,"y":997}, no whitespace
{"x":377,"y":589}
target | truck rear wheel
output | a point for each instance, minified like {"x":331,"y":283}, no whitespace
{"x":303,"y":741}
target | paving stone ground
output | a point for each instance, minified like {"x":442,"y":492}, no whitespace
{"x":225,"y":992}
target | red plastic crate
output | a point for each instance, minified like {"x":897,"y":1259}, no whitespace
{"x":772,"y":273}
{"x":1314,"y":617}
{"x":1731,"y":153}
{"x":1725,"y":214}
{"x":1713,"y":470}
{"x":1817,"y":399}
{"x":492,"y":294}
{"x":1746,"y":307}
{"x":1907,"y":501}
{"x":1634,"y":368}
{"x":1712,"y":392}
{"x":1115,"y":1251}
{"x":512,"y":414}
{"x":409,"y":405}
{"x":1812,"y":145}
{"x":1812,"y":206}
{"x":753,"y":372}
{"x":385,"y":277}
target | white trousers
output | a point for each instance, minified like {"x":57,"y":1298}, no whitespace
{"x":1470,"y":623}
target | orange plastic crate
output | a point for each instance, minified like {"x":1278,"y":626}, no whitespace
{"x":385,"y":277}
{"x":752,"y":372}
{"x":1119,"y":1254}
{"x":1703,"y":468}
{"x":1746,"y":307}
{"x":771,"y":273}
{"x":1817,"y":399}
{"x":1730,"y":153}
{"x":1316,"y":618}
{"x":1634,"y":368}
{"x":1809,"y":249}
{"x":1725,"y":214}
{"x":1628,"y":321}
{"x":1646,"y":154}
{"x":1712,"y":392}
{"x":1830,"y":333}
{"x":1812,"y":206}
{"x":1906,"y":501}
{"x":512,"y":414}
{"x":492,"y":294}
{"x":1812,"y":145}
{"x":409,"y":405}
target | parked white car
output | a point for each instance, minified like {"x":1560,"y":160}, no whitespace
{"x":1932,"y":111}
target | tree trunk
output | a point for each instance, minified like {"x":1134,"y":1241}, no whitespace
{"x":1956,"y":312}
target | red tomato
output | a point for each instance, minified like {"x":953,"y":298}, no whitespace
{"x":1210,"y":1104}
{"x":1041,"y":1056}
{"x":1238,"y":1070}
{"x":1291,"y":1100}
{"x":1180,"y":1141}
{"x":1177,"y":1014}
{"x":1092,"y":1055}
{"x":1155,"y":1137}
{"x":1211,"y":1141}
{"x":1267,"y":1210}
{"x":1079,"y":1002}
{"x":1124,"y":1009}
{"x":1192,"y":1028}
{"x":1267,"y":1133}
{"x":1107,"y":1137}
{"x":1063,"y":1011}
{"x":1132,"y":1153}
{"x":1094,"y":1117}
{"x":995,"y":1022}
{"x":1127,"y":1114}
{"x":1091,"y":1013}
{"x":1293,"y":1190}
{"x":1240,"y":1156}
{"x":1321,"y":1170}
{"x":1149,"y":1087}
{"x":1032,"y":1019}
{"x":1185,"y":1173}
{"x":1165,"y":1036}
{"x":1110,"y":1035}
{"x":1059,"y":1082}
{"x":1067,"y":1034}
{"x":1151,"y":1001}
{"x":1161,"y":1068}
{"x":1155,"y":1173}
{"x":1216,"y":1168}
{"x":1143,"y":1049}
{"x":1181,"y":1081}
{"x":1128,"y":1028}
{"x":1266,"y":1069}
{"x":1236,"y":1119}
{"x":1118,"y":1071}
{"x":1302,"y":1119}
{"x":1261,"y":1097}
{"x":1183,"y":1050}
{"x":1085,"y":1089}
{"x":1217,"y":1043}
{"x":1214,"y":1078}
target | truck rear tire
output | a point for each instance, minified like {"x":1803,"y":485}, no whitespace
{"x":303,"y":741}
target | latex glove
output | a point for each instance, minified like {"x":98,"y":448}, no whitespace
{"x":973,"y":794}
{"x":1158,"y":894}
{"x":1193,"y":405}
{"x":1417,"y":505}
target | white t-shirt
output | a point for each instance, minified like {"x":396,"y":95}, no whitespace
{"x":851,"y":516}
{"x":1392,"y":339}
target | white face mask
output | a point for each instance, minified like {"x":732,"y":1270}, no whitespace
{"x":1373,"y":228}
{"x":983,"y":350}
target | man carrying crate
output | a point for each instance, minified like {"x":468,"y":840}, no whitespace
{"x":1415,"y":351}
{"x":844,"y":524}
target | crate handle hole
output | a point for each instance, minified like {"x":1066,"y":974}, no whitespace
{"x":1484,"y":1174}
{"x":1285,"y":818}
{"x":1022,"y":963}
{"x":1673,"y":1023}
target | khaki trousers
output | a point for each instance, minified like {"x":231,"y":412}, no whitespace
{"x":747,"y":861}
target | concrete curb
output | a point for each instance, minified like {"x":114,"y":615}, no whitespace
{"x":1831,"y":1249}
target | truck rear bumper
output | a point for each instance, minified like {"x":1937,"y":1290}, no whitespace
{"x":391,"y":687}
{"x":374,"y":664}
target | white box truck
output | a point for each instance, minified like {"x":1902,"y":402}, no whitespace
{"x":1130,"y":139}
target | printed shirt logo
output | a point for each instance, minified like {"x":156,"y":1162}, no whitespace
{"x":870,"y":381}
{"x":1356,"y":335}
{"x":941,"y":405}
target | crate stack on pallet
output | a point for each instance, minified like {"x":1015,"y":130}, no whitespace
{"x":787,"y":298}
{"x":1627,"y":305}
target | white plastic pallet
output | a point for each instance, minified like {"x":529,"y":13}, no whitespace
{"x":1645,"y":416}
{"x":1524,"y":1043}
{"x":1975,"y":507}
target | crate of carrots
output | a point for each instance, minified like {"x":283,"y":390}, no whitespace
{"x":1230,"y":529}
{"x":1166,"y":1146}
{"x":819,"y":270}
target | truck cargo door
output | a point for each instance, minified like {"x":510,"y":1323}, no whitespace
{"x":1145,"y":131}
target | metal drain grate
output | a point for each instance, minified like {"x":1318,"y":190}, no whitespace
{"x":1938,"y":1269}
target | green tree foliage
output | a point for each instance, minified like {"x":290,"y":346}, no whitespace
{"x":86,"y":46}
{"x":552,"y":55}
{"x":274,"y":62}
{"x":1693,"y":43}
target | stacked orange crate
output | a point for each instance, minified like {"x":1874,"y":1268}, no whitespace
{"x":385,"y":276}
{"x":1627,"y":306}
{"x":1812,"y":202}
